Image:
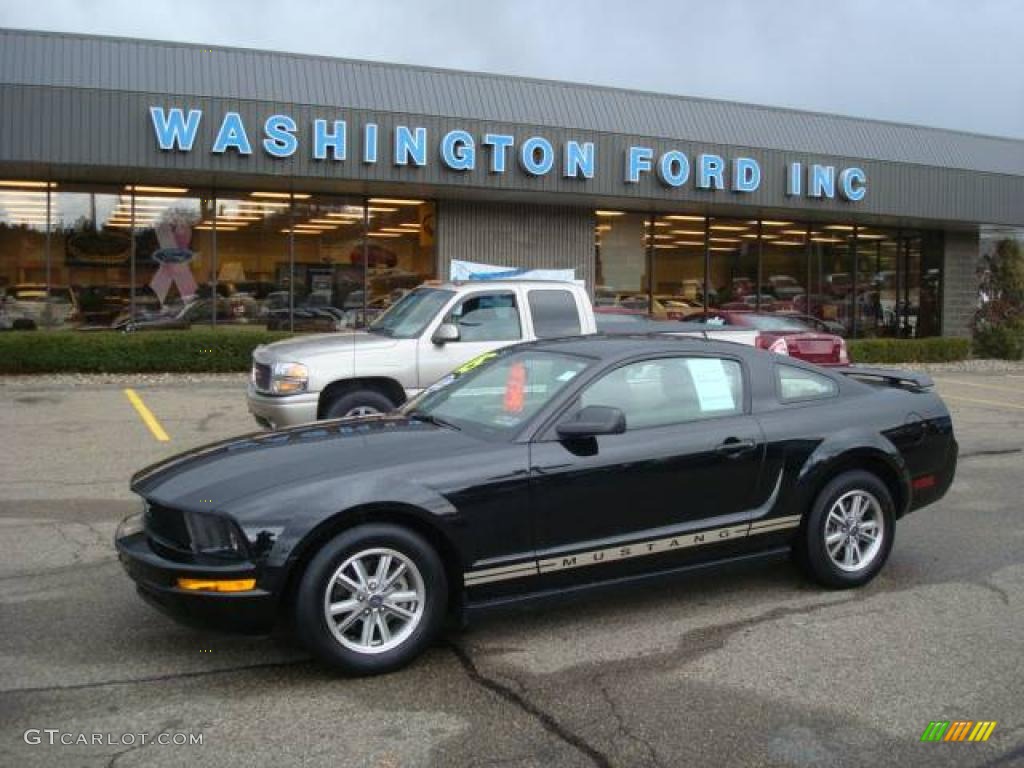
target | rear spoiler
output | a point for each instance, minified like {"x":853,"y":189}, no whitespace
{"x":892,"y":377}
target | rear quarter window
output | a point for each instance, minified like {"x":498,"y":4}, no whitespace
{"x":554,"y":313}
{"x":798,"y":384}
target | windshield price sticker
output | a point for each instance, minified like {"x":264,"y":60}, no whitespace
{"x":714,"y":390}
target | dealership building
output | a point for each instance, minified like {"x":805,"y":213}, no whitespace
{"x":142,"y":178}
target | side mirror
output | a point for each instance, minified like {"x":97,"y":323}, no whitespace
{"x":592,"y":421}
{"x":445,"y":332}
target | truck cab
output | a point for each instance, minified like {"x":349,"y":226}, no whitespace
{"x":429,"y":332}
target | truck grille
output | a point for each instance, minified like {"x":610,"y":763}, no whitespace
{"x":261,"y":377}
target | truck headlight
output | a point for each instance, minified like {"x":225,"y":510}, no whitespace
{"x":215,"y":535}
{"x":289,"y":378}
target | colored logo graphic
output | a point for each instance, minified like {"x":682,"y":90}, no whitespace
{"x":958,"y":730}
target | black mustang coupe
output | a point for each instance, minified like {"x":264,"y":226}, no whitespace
{"x":539,"y":469}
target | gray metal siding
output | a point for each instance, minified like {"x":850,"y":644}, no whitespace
{"x":172,"y":69}
{"x":516,"y":235}
{"x":64,"y":127}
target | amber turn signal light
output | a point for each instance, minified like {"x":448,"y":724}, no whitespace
{"x":214,"y":585}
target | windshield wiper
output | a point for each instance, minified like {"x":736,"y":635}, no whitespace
{"x":432,"y":419}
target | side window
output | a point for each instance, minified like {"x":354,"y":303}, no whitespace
{"x":798,"y":384}
{"x":670,"y":390}
{"x":554,"y":314}
{"x":487,"y":317}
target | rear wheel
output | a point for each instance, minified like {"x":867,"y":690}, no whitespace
{"x":849,"y":532}
{"x":372,"y":599}
{"x":358,"y":402}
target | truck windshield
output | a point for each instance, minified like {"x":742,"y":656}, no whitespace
{"x":495,"y":394}
{"x":407,"y":317}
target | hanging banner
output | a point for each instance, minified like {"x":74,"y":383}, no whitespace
{"x":470,"y":270}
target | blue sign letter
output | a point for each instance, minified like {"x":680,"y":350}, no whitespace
{"x":637,"y":160}
{"x":458,"y":151}
{"x":528,"y":156}
{"x":410,"y":145}
{"x":823,"y":181}
{"x":674,"y":168}
{"x":232,"y":134}
{"x":173,"y":129}
{"x":746,"y":174}
{"x":280,"y":141}
{"x":579,"y":160}
{"x":370,"y":143}
{"x":853,"y":184}
{"x":500,"y":142}
{"x":336,"y":140}
{"x":711,"y":173}
{"x":794,"y":179}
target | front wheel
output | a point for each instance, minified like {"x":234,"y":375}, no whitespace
{"x":849,"y":532}
{"x":359,"y":402}
{"x":372,"y":599}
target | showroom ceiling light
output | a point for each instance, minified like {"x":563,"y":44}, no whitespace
{"x":840,"y":227}
{"x":395,"y":201}
{"x":682,"y":217}
{"x":166,"y":190}
{"x":382,"y":234}
{"x":29,"y":184}
{"x":281,"y":195}
{"x":729,"y":227}
{"x":696,"y":232}
{"x":609,"y":213}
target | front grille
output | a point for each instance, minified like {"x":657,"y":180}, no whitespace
{"x":261,"y":376}
{"x":167,"y":532}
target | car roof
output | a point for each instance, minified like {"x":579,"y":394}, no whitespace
{"x":613,"y":347}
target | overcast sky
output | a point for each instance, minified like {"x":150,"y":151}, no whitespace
{"x":948,"y":63}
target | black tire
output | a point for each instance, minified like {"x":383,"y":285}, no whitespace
{"x":812,"y":551}
{"x":352,"y":400}
{"x":311,"y":622}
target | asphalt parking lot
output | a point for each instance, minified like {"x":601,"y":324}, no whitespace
{"x":747,"y":667}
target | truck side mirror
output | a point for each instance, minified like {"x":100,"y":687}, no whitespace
{"x":445,"y":332}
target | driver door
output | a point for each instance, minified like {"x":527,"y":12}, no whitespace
{"x":486,"y":320}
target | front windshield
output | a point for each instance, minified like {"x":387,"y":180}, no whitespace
{"x":408,"y":316}
{"x":497,"y":393}
{"x":784,"y":324}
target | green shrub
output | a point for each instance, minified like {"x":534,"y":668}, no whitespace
{"x":1005,"y":342}
{"x":192,"y":351}
{"x":939,"y":349}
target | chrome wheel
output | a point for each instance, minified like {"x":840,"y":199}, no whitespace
{"x":854,"y":531}
{"x":362,"y":410}
{"x":374,"y":601}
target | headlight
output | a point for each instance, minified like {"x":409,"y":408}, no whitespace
{"x":289,"y":378}
{"x":131,"y":525}
{"x":214,"y":535}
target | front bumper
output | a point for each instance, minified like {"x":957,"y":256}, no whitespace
{"x":156,"y":578}
{"x":276,"y":411}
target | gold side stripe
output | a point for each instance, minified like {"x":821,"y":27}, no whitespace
{"x":628,"y":551}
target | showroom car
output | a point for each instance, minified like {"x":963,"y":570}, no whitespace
{"x":534,"y":470}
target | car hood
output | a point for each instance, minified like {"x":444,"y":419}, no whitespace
{"x":218,"y":474}
{"x":301,"y":348}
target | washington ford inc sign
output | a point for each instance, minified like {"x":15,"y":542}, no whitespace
{"x":461,"y":151}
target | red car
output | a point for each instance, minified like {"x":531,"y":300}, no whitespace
{"x":783,"y":335}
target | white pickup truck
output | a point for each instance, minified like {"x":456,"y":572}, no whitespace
{"x":429,"y":332}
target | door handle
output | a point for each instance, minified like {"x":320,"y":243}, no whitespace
{"x":733,"y":447}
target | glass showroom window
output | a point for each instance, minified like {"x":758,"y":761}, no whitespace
{"x":400,"y":250}
{"x":328,"y":275}
{"x":621,"y":245}
{"x":174,"y":251}
{"x":677,"y":264}
{"x":733,"y":280}
{"x":250,"y":273}
{"x":23,"y":254}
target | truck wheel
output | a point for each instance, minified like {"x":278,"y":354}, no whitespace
{"x":849,"y":532}
{"x":372,"y":599}
{"x":358,"y":402}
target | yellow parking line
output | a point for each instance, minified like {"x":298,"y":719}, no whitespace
{"x":1018,"y":390}
{"x":996,"y":403}
{"x":146,"y":415}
